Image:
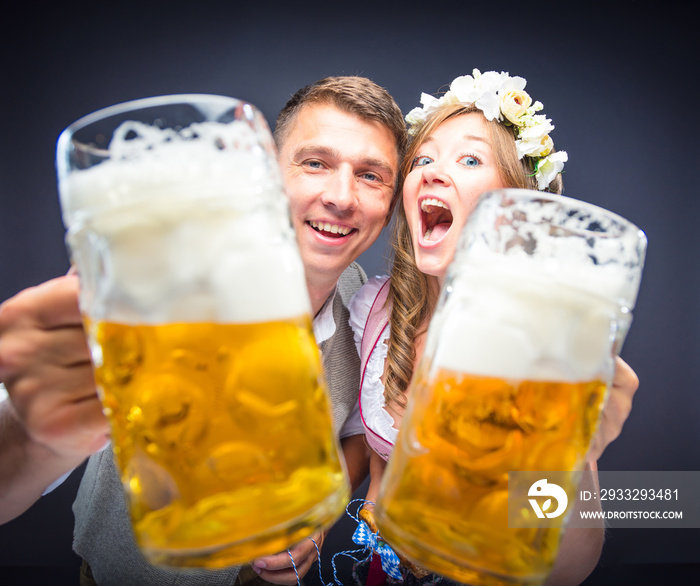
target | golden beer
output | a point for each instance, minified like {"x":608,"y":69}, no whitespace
{"x":217,"y":429}
{"x":474,"y":430}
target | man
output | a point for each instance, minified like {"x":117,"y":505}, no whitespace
{"x":340,"y":142}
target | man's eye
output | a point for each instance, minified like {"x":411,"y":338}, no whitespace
{"x":313,"y":164}
{"x":371,"y":177}
{"x":470,"y":161}
{"x":421,"y":161}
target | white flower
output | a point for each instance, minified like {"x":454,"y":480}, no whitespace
{"x":490,"y":81}
{"x":547,"y":146}
{"x":549,"y":167}
{"x":464,"y":89}
{"x":512,"y":84}
{"x":532,"y":138}
{"x":481,"y":90}
{"x":488,"y":104}
{"x":430,"y":103}
{"x":488,"y":85}
{"x":415,"y":118}
{"x":450,"y":98}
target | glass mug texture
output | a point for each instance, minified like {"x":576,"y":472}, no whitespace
{"x":519,"y":356}
{"x":198,"y":318}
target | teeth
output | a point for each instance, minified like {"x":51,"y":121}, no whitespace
{"x":332,"y":228}
{"x":432,"y":202}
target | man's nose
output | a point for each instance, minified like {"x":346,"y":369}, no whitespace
{"x":342,"y":190}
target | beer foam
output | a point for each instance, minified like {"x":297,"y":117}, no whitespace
{"x":520,"y":320}
{"x":570,"y":240}
{"x":188,"y":232}
{"x":147,"y":163}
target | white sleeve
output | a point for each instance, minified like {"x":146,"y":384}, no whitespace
{"x":377,"y":418}
{"x":359,"y":307}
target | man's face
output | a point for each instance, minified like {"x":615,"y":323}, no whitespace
{"x":339,"y":173}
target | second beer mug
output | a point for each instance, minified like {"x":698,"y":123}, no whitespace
{"x":195,"y":303}
{"x":518,"y":360}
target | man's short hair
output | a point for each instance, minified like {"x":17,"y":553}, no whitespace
{"x":352,"y":94}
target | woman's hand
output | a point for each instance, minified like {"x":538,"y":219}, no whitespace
{"x":616,"y":410}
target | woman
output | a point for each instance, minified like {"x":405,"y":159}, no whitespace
{"x":485,"y":133}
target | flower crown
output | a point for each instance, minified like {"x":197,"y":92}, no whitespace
{"x":501,"y":97}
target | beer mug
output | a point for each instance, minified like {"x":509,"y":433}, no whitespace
{"x":519,"y":357}
{"x":199,"y":323}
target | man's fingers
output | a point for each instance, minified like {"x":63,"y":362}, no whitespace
{"x":67,"y":385}
{"x":61,"y":307}
{"x":288,"y":576}
{"x":69,"y":416}
{"x":282,"y":577}
{"x":282,"y":560}
{"x":85,"y":417}
{"x":279,"y":569}
{"x":42,"y":325}
{"x":52,"y":304}
{"x":45,"y":365}
{"x":65,"y":346}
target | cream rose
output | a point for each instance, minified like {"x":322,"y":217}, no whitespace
{"x":514,"y":104}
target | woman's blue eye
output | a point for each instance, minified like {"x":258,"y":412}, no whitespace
{"x":469,"y":161}
{"x":421,"y":161}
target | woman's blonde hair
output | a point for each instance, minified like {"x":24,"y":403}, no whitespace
{"x":412,"y":294}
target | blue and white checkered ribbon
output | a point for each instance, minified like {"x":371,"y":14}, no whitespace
{"x":390,"y":561}
{"x":370,"y":543}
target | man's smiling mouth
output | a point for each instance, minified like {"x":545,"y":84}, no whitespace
{"x":330,"y":230}
{"x":436,"y":218}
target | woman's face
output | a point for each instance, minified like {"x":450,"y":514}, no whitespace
{"x":452,"y":167}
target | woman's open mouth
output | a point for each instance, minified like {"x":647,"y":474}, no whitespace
{"x":436,"y":218}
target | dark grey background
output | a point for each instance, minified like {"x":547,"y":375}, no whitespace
{"x":619,"y":80}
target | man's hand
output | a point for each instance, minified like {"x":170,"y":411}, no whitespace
{"x":617,"y":408}
{"x":45,"y":365}
{"x":278,"y":568}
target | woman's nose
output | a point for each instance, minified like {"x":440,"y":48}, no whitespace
{"x":435,"y":173}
